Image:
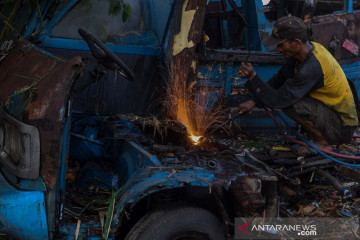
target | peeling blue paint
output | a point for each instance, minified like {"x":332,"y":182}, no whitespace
{"x":21,"y":222}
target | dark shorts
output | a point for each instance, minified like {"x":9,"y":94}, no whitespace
{"x":324,"y":118}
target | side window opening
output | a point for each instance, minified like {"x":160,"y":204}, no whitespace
{"x":224,"y":29}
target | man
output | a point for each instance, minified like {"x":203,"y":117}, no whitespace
{"x":311,"y":87}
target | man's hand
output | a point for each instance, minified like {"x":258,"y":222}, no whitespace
{"x":247,"y":71}
{"x":245,"y":106}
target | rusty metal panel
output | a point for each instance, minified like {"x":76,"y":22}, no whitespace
{"x":34,"y":88}
{"x":333,"y":31}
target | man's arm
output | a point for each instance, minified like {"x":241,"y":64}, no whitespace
{"x":245,"y":106}
{"x":290,"y":92}
{"x":278,"y":79}
{"x":284,"y":73}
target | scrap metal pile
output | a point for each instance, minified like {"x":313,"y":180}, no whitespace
{"x":315,"y":185}
{"x":308,"y":185}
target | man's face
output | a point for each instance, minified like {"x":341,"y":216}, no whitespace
{"x":289,"y":48}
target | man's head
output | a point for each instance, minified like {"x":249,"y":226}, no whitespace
{"x":289,"y":35}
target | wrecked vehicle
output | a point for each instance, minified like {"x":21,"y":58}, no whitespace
{"x":79,"y":158}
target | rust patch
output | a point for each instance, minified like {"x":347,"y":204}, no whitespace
{"x":54,"y":77}
{"x":246,"y":201}
{"x":187,"y":55}
{"x":333,"y":30}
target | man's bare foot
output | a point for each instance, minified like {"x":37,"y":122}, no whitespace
{"x":308,"y":150}
{"x":324,"y":146}
{"x":303,"y":150}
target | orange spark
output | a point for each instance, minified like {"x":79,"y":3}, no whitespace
{"x":188,"y":106}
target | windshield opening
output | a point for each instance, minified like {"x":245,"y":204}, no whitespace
{"x":100,"y":18}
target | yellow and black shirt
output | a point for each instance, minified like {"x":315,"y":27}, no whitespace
{"x":320,"y":76}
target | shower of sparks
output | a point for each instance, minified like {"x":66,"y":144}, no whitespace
{"x":189,"y":107}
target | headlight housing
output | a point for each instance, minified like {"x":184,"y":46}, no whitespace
{"x":19,"y":147}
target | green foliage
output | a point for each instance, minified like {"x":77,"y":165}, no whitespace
{"x":89,"y":4}
{"x":10,"y":10}
{"x":115,"y":7}
{"x":126,"y":12}
{"x":109,"y":216}
{"x":10,"y":19}
{"x":119,"y":6}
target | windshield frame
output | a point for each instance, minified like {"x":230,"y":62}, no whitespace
{"x":46,"y":40}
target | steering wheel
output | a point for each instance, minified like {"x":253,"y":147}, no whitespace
{"x":104,"y":55}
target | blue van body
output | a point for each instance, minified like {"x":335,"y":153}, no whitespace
{"x":51,"y":112}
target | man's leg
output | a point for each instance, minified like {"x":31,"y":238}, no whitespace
{"x":322,"y":124}
{"x":314,"y":134}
